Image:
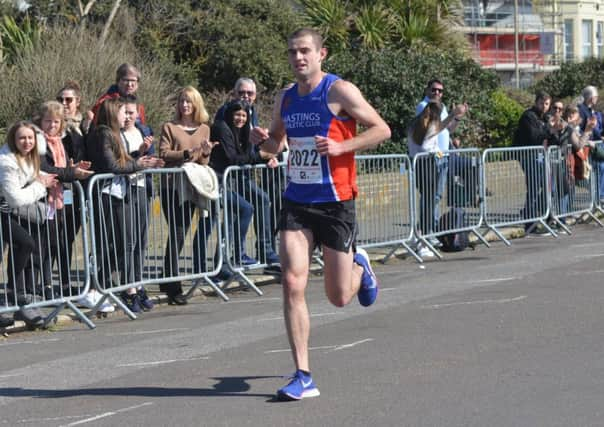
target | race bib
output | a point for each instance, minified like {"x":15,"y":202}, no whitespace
{"x":304,"y":161}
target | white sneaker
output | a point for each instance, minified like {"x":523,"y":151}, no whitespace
{"x":424,"y":252}
{"x":92,"y":298}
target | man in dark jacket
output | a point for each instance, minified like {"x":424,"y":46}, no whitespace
{"x":534,"y":131}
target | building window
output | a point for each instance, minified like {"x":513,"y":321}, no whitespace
{"x":587,"y":35}
{"x":568,"y":40}
{"x":600,"y":39}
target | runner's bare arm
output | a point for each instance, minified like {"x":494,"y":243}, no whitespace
{"x":273,"y":140}
{"x":346,"y":98}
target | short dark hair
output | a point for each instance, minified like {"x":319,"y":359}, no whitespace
{"x":432,"y":81}
{"x":317,"y":38}
{"x":541,"y":95}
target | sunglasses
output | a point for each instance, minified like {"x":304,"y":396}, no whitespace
{"x":556,"y":108}
{"x":246,"y":92}
{"x":437,"y":90}
{"x":66,"y":99}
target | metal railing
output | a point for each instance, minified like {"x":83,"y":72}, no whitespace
{"x":45,"y":256}
{"x":444,"y":183}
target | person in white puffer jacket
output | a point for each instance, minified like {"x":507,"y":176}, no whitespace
{"x":21,"y":186}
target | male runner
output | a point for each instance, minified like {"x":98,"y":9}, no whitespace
{"x":318,"y":117}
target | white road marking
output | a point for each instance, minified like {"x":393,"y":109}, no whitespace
{"x":499,"y":279}
{"x":484,"y":301}
{"x":28,"y":342}
{"x":40,"y":420}
{"x":580,"y":273}
{"x":107,"y":414}
{"x":582,"y":245}
{"x":324,"y":347}
{"x":588,"y":256}
{"x":235,"y":301}
{"x":270,"y":319}
{"x":156,"y":331}
{"x":160,"y":362}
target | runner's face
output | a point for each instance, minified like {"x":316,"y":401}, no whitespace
{"x":305,"y":57}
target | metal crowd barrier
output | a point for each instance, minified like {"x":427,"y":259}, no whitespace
{"x":384,"y":207}
{"x":251,"y":202}
{"x":570,"y":195}
{"x":147,"y":228}
{"x":449,"y":197}
{"x":518,"y":184}
{"x":598,"y":181}
{"x":56,"y":272}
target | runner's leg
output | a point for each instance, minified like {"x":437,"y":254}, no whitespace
{"x":295,"y":252}
{"x":341,"y":282}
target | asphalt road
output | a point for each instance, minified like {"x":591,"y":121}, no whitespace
{"x":506,"y":336}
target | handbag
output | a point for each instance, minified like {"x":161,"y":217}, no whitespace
{"x":582,"y":168}
{"x":34,"y":213}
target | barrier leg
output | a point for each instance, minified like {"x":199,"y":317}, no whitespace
{"x":80,"y":315}
{"x":547,"y":227}
{"x":249,"y":283}
{"x":562,"y":225}
{"x":212,"y":285}
{"x":595,"y":218}
{"x":499,"y":235}
{"x":481,"y":238}
{"x":118,"y":302}
{"x":432,"y":248}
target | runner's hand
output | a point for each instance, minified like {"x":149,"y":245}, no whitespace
{"x":328,"y":147}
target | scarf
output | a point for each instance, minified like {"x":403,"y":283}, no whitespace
{"x":74,"y":123}
{"x":55,"y":193}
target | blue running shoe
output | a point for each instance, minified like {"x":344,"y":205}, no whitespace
{"x":369,"y":283}
{"x":300,"y":387}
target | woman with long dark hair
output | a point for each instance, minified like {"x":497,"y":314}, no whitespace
{"x":114,"y":208}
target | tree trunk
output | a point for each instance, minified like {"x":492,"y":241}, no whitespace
{"x":114,"y":9}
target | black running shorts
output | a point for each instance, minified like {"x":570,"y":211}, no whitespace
{"x":332,"y":224}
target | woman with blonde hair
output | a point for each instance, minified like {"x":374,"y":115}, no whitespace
{"x":59,"y":149}
{"x":22,"y":186}
{"x":184,"y":139}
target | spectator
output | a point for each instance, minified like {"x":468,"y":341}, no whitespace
{"x":113,"y":209}
{"x":587,"y":110}
{"x":184,"y":139}
{"x":138,"y":139}
{"x":60,"y":147}
{"x":234,"y":148}
{"x":21,"y":187}
{"x":70,"y":96}
{"x":434,"y":92}
{"x":423,"y":137}
{"x":127,"y":78}
{"x":244,"y":90}
{"x":534,"y":130}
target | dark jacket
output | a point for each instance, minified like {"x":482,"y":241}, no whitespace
{"x":585,"y":112}
{"x":533,"y":130}
{"x":99,"y":152}
{"x":230,"y":151}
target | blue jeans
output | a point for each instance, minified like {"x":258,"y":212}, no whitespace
{"x":442,"y":171}
{"x":600,"y":180}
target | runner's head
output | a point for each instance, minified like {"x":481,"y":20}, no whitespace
{"x":305,"y":52}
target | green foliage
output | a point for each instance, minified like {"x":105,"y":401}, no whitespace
{"x":17,"y":39}
{"x":571,"y":78}
{"x":503,"y":119}
{"x":69,"y":53}
{"x":394,"y":81}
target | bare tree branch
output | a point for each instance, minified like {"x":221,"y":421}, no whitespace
{"x":114,"y":9}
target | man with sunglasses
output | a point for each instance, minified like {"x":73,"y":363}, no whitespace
{"x":245,"y":90}
{"x":434,"y":92}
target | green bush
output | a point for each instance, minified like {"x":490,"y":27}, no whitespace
{"x":503,"y":120}
{"x":68,"y":53}
{"x":394,"y":81}
{"x":571,"y":78}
